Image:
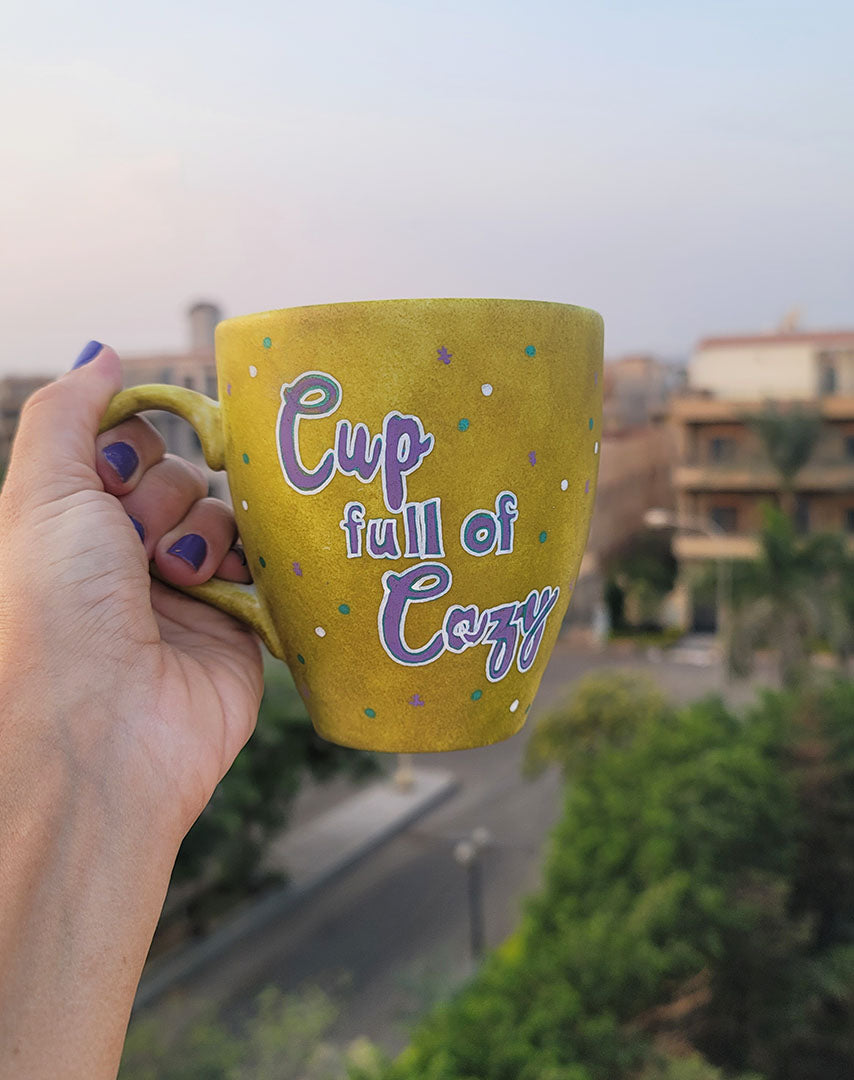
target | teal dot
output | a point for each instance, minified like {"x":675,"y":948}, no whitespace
{"x":543,"y":536}
{"x":477,"y":695}
{"x":530,"y":350}
{"x":262,"y":560}
{"x":245,"y":459}
{"x":590,"y":423}
{"x":267,"y":343}
{"x":301,"y":658}
{"x":344,"y":609}
{"x":370,"y":713}
{"x":463,"y":425}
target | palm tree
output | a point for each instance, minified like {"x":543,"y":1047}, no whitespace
{"x":794,"y":595}
{"x":789,"y":439}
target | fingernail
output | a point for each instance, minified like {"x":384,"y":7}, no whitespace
{"x":123,"y":459}
{"x":138,"y":526}
{"x":192,"y":548}
{"x":87,"y":353}
{"x":240,"y":553}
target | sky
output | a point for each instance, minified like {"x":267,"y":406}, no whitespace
{"x":686,"y":169}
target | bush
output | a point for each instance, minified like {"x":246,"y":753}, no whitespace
{"x":699,"y":895}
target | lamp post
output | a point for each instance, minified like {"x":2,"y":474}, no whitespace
{"x":659,"y":518}
{"x":467,"y":853}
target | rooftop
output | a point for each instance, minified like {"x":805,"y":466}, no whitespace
{"x":792,"y":337}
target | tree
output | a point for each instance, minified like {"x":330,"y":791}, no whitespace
{"x":606,"y":709}
{"x":686,"y":928}
{"x":285,"y":1037}
{"x":225,"y":847}
{"x":794,"y":595}
{"x":789,"y":439}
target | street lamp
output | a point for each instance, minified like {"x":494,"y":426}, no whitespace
{"x":467,"y":853}
{"x":659,"y":518}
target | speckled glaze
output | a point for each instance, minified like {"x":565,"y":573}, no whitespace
{"x":431,"y":633}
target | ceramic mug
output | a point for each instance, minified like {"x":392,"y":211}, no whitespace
{"x":412,"y":482}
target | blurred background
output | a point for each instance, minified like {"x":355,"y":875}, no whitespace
{"x":654,"y":879}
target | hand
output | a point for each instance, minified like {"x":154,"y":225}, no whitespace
{"x":122,"y":704}
{"x":178,"y":683}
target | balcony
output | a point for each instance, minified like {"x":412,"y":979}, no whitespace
{"x":694,"y":546}
{"x":742,"y":473}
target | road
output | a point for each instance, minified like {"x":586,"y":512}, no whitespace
{"x":391,"y":936}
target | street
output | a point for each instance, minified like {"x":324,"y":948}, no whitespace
{"x":390,"y":937}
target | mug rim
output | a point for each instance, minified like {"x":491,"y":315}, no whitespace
{"x":580,"y":308}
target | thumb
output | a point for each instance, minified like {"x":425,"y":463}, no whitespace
{"x":54,"y":450}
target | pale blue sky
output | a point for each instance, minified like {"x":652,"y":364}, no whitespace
{"x":684,"y":169}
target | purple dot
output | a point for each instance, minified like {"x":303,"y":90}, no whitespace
{"x":416,"y":699}
{"x":228,"y":389}
{"x":532,"y":457}
{"x":444,"y":355}
{"x":297,"y":569}
{"x":586,"y":487}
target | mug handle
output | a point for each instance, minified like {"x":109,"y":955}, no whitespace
{"x":205,"y":416}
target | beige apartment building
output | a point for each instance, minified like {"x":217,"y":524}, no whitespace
{"x":721,"y":473}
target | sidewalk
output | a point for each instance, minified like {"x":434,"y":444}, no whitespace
{"x":312,"y":855}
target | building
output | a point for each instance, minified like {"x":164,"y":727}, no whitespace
{"x":634,"y":469}
{"x":194,"y":368}
{"x":14,"y":391}
{"x":722,"y":476}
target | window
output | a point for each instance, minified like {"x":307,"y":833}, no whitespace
{"x":166,"y":375}
{"x":210,"y":386}
{"x":725,"y":517}
{"x":827,"y":381}
{"x":721,"y":449}
{"x":188,"y":382}
{"x":802,"y":515}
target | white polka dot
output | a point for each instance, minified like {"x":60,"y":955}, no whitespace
{"x":486,"y":389}
{"x":253,"y":371}
{"x":564,"y":484}
{"x":514,"y":706}
{"x":596,"y":448}
{"x":320,"y":631}
{"x":245,"y":505}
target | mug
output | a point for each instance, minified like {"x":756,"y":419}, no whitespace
{"x":412,"y":482}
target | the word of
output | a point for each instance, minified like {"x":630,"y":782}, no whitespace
{"x":513,"y":630}
{"x":395,"y":452}
{"x":481,"y":529}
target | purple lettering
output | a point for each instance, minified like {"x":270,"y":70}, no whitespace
{"x":406,"y":446}
{"x":418,"y":584}
{"x":313,"y":394}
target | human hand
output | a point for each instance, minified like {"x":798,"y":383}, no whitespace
{"x":175,"y":684}
{"x":122,"y":704}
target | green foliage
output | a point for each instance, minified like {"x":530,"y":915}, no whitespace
{"x":250,"y":805}
{"x":282,"y":1039}
{"x":641,"y":574}
{"x":605,"y":709}
{"x":789,"y":437}
{"x":697,"y":917}
{"x":798,"y":592}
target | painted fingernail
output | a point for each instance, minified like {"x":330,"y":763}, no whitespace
{"x":192,"y":548}
{"x":87,"y":353}
{"x":123,"y":459}
{"x":138,"y":526}
{"x":240,"y":553}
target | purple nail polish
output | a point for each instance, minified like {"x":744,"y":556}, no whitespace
{"x":138,"y":526}
{"x":123,"y":459}
{"x":192,"y":548}
{"x":87,"y":353}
